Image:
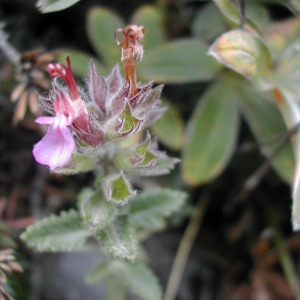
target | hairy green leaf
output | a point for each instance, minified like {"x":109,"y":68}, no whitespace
{"x":95,"y":211}
{"x":180,"y":61}
{"x":211,"y":135}
{"x":47,"y":6}
{"x":117,"y":188}
{"x":119,"y":239}
{"x":101,"y":27}
{"x":148,"y":208}
{"x":64,"y":232}
{"x":136,"y":276}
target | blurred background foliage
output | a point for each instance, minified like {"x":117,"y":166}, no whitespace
{"x":232,"y":88}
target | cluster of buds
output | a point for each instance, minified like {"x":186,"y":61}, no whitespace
{"x":90,"y":122}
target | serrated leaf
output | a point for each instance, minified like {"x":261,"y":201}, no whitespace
{"x":152,"y":19}
{"x":95,"y":211}
{"x":46,"y":6}
{"x":244,"y":53}
{"x":266,"y":122}
{"x":211,"y":135}
{"x":170,"y":128}
{"x":119,"y":239}
{"x":64,"y":232}
{"x":148,"y":208}
{"x":181,"y":61}
{"x":163,"y":166}
{"x":101,"y":26}
{"x":136,"y":276}
{"x":80,"y":61}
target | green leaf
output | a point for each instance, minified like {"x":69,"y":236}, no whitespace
{"x":78,"y":164}
{"x":80,"y":62}
{"x":169,"y":128}
{"x":101,"y":27}
{"x":231,"y":13}
{"x":95,"y":211}
{"x":152,"y":19}
{"x":148,"y":208}
{"x":57,"y":233}
{"x":245,"y":53}
{"x":208,"y":23}
{"x":46,"y":6}
{"x":108,"y":273}
{"x":181,"y":61}
{"x":266,"y":122}
{"x":211,"y":135}
{"x":119,"y":239}
{"x":117,"y":188}
{"x":136,"y":276}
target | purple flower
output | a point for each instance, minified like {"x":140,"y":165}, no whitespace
{"x":56,"y":147}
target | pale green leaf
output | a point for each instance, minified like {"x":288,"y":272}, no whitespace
{"x":135,"y":276}
{"x":119,"y":239}
{"x":101,"y":27}
{"x":208,"y":23}
{"x":80,"y":61}
{"x":141,"y":281}
{"x":117,"y":188}
{"x":77,"y":164}
{"x":169,"y":128}
{"x":180,"y":61}
{"x":266,"y":123}
{"x":232,"y":14}
{"x":64,"y":232}
{"x":152,"y":19}
{"x":245,"y":53}
{"x":47,"y":6}
{"x":107,"y":272}
{"x":95,"y":211}
{"x":148,"y":208}
{"x":211,"y":135}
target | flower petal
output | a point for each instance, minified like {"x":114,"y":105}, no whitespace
{"x":55,"y":148}
{"x":45,"y":120}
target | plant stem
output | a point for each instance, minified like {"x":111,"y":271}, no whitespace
{"x":185,"y":248}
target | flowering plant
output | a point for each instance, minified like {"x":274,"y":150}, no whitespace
{"x":103,"y":129}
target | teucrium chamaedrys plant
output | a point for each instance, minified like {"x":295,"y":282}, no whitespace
{"x":103,"y":129}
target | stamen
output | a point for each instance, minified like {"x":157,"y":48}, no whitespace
{"x":57,"y":70}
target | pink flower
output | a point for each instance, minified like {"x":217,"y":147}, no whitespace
{"x":56,"y":147}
